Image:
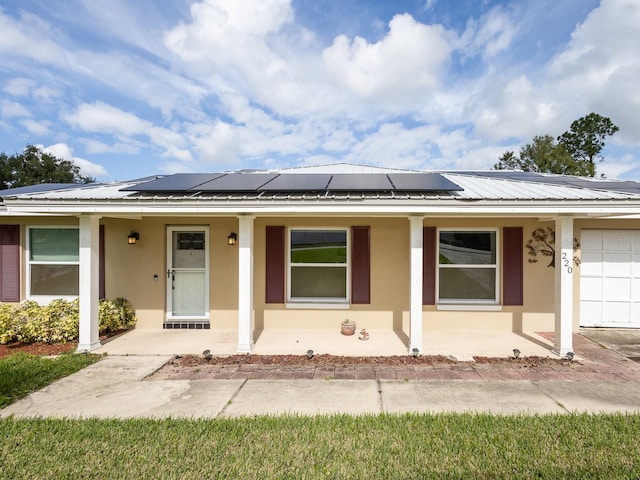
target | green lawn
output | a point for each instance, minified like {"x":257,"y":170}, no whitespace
{"x":21,"y":374}
{"x":365,"y":447}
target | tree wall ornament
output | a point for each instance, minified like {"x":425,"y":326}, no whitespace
{"x":543,"y":242}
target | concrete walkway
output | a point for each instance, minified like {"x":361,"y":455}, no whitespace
{"x":118,"y":387}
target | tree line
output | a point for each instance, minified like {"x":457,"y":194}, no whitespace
{"x":575,"y":152}
{"x":33,"y":166}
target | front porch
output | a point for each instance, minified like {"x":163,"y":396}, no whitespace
{"x":463,"y":345}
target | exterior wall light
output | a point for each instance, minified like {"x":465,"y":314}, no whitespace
{"x":133,"y":238}
{"x":231,"y":239}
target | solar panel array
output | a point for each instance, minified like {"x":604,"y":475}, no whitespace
{"x":297,"y":182}
{"x":561,"y":180}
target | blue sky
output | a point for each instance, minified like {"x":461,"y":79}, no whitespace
{"x":131,"y":88}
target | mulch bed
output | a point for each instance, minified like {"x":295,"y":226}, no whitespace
{"x":336,"y":360}
{"x":40,"y":348}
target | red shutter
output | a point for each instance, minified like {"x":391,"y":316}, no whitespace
{"x":274,"y":251}
{"x":360,"y":266}
{"x":101,"y":284}
{"x":429,"y":255}
{"x":9,"y":263}
{"x":512,"y":266}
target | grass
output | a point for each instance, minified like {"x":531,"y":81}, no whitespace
{"x":21,"y":373}
{"x":384,"y":446}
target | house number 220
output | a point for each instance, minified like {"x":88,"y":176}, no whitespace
{"x":566,"y":263}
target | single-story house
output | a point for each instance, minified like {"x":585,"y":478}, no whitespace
{"x":305,"y":248}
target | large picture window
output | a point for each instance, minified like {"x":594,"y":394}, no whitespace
{"x":467,"y":266}
{"x":318,"y":265}
{"x":53,"y":261}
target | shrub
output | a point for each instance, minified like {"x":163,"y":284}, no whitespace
{"x":7,"y":334}
{"x":58,"y":321}
{"x":64,"y":320}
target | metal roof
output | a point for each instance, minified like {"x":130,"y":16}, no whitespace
{"x":506,"y":186}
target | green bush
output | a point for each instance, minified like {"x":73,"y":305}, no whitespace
{"x":58,"y":321}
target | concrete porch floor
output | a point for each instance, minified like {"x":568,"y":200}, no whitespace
{"x":462,"y":345}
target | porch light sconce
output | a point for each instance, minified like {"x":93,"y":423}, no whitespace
{"x":231,"y":239}
{"x":133,"y":238}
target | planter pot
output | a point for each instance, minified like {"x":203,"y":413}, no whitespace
{"x":348,"y":328}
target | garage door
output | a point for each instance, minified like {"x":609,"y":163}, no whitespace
{"x":610,"y":278}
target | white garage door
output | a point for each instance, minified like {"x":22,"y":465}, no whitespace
{"x":610,"y":278}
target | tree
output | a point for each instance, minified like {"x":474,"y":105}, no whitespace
{"x":542,"y":155}
{"x":574,"y":153}
{"x":585,"y":139}
{"x":34,"y":166}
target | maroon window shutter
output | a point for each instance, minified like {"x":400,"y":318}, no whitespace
{"x":274,"y":251}
{"x":101,"y":285}
{"x":9,"y":263}
{"x":360,"y":266}
{"x":429,"y":255}
{"x":512,"y":266}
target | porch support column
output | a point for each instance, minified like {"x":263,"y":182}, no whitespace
{"x":245,"y":284}
{"x":415,"y":285}
{"x":563,"y":342}
{"x":88,"y":338}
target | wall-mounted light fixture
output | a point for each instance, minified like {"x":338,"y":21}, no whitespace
{"x":231,"y":239}
{"x":133,"y":238}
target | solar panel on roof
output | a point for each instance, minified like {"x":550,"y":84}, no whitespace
{"x":423,"y":182}
{"x":295,"y":182}
{"x":179,"y":182}
{"x":237,"y":182}
{"x":40,"y":188}
{"x":356,"y":182}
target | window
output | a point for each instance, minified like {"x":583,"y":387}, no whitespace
{"x":467,"y":266}
{"x":318,"y":265}
{"x":53,"y":261}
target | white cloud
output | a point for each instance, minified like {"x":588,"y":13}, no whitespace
{"x":36,"y":127}
{"x":406,"y":63}
{"x":397,"y":146}
{"x":18,"y":86}
{"x":87,"y":168}
{"x":512,"y":108}
{"x":103,"y":118}
{"x":490,"y":34}
{"x":599,"y":68}
{"x":10,"y":109}
{"x":94,"y":146}
{"x":617,"y":167}
{"x":18,"y":39}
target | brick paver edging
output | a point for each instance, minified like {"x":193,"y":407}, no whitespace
{"x":594,"y":363}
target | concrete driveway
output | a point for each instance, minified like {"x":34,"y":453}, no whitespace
{"x":625,"y":341}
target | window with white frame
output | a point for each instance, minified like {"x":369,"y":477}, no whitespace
{"x":467,"y":266}
{"x":318,"y":265}
{"x":53,"y":261}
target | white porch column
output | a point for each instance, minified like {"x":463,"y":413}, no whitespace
{"x":415,"y":288}
{"x":245,"y":284}
{"x":564,"y":286}
{"x":89,"y":283}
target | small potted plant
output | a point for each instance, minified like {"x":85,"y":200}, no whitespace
{"x":348,"y":327}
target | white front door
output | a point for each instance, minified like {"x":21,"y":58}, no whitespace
{"x":188,"y":273}
{"x":610,"y":278}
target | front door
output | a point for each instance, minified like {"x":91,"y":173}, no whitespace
{"x":188,"y":273}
